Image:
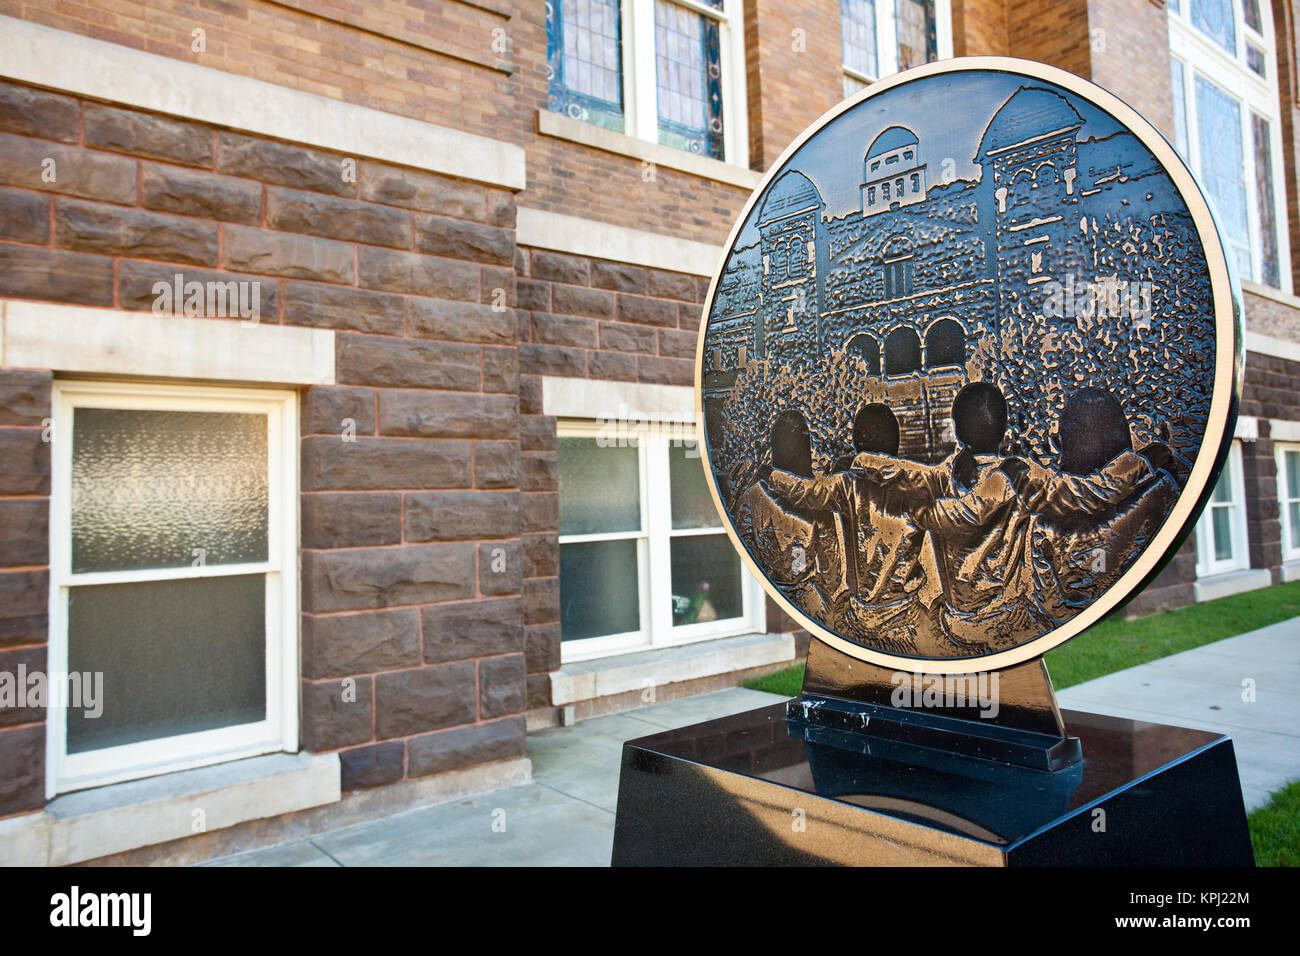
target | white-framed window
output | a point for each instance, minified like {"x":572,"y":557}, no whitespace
{"x":667,"y":71}
{"x":1221,"y":544}
{"x":1288,"y":497}
{"x":644,"y":560}
{"x":1226,"y":126}
{"x":880,"y":37}
{"x":173,"y":578}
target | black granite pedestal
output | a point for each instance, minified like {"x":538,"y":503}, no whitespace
{"x":758,"y":789}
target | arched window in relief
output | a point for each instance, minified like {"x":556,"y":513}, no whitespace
{"x":945,"y":344}
{"x":897,"y":267}
{"x":902,"y":352}
{"x":797,"y":257}
{"x":866,"y":348}
{"x":776,"y":260}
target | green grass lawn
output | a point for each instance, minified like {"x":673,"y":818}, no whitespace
{"x":1116,"y":644}
{"x":1275,"y":828}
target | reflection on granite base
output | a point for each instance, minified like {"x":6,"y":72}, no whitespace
{"x":756,"y":789}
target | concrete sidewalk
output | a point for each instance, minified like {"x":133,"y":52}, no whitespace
{"x":566,"y":816}
{"x":1205,"y":688}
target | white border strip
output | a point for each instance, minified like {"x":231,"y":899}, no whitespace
{"x":71,"y":338}
{"x":596,"y":398}
{"x":1268,"y":292}
{"x":42,"y":56}
{"x":1271,"y":345}
{"x":565,"y":127}
{"x":1284,"y":430}
{"x":600,"y":240}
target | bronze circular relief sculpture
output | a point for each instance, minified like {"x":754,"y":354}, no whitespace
{"x":969,"y":367}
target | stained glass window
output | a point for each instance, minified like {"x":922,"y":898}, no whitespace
{"x":917,"y":41}
{"x":1250,"y":12}
{"x":1255,"y":60}
{"x":1180,"y":108}
{"x":584,"y":60}
{"x":688,"y":75}
{"x":1218,"y":121}
{"x":858,"y":39}
{"x":1215,"y":19}
{"x":1268,"y":252}
{"x":1224,"y":118}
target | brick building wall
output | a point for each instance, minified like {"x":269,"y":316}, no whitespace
{"x":425,"y":61}
{"x":1051,"y":31}
{"x":433,"y":62}
{"x":1288,"y":83}
{"x":399,"y":526}
{"x":1128,"y":57}
{"x":584,"y":318}
{"x":979,"y":28}
{"x":1272,"y":393}
{"x":598,"y":319}
{"x":793,"y":68}
{"x":24,"y":558}
{"x":1270,"y":314}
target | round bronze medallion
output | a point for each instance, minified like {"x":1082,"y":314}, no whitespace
{"x":969,"y":366}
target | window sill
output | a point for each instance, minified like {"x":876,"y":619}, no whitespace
{"x":1291,"y":571}
{"x":1280,"y":296}
{"x":576,"y":131}
{"x":93,"y":823}
{"x":603,"y":676}
{"x":1232,"y":582}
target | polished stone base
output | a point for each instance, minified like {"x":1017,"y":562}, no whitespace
{"x":757,"y":789}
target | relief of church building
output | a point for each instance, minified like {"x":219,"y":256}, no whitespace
{"x":922,"y":275}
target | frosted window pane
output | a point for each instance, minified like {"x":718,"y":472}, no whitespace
{"x":692,"y":505}
{"x":706,"y":579}
{"x":151,"y":487}
{"x":599,"y":589}
{"x":600,"y":488}
{"x":177,"y":657}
